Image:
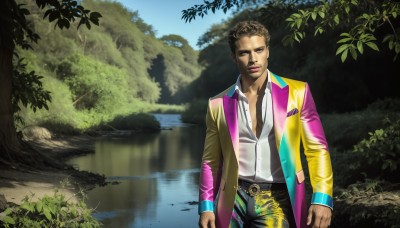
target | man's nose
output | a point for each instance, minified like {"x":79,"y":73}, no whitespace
{"x":253,"y":57}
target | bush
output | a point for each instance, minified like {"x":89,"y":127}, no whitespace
{"x":195,"y":112}
{"x":141,"y":121}
{"x":48,"y":211}
{"x":379,"y":155}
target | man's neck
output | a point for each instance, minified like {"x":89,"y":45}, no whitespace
{"x":254,"y":87}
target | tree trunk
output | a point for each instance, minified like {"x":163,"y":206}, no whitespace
{"x":9,"y":141}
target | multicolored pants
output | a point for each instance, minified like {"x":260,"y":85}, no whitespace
{"x":268,"y":209}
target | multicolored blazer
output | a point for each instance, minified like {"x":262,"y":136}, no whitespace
{"x":295,"y":120}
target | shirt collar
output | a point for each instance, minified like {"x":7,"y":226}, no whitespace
{"x":238,"y":85}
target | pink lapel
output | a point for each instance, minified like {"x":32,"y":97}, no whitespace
{"x":280,"y":95}
{"x":230,"y":110}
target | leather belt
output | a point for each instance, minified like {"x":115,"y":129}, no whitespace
{"x":254,"y":188}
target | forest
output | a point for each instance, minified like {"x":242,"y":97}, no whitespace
{"x":115,"y":69}
{"x":112,"y":75}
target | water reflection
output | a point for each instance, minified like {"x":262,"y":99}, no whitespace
{"x":158,"y":175}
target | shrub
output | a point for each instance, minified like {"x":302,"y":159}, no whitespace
{"x":195,"y":112}
{"x":379,"y":155}
{"x":48,"y":211}
{"x":139,"y":121}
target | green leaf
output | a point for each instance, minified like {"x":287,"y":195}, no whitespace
{"x":39,"y":206}
{"x":347,"y":9}
{"x":314,"y":15}
{"x":341,"y":48}
{"x":8,"y":220}
{"x":344,"y":55}
{"x":316,"y":31}
{"x":298,"y":23}
{"x":345,"y":34}
{"x":372,"y":46}
{"x":296,"y":15}
{"x":336,"y":19}
{"x":387,"y":37}
{"x":8,"y":211}
{"x":344,"y":40}
{"x":391,"y":45}
{"x":27,"y":207}
{"x":360,"y":47}
{"x":394,"y":14}
{"x":353,"y":53}
{"x":321,"y":14}
{"x":46,"y":213}
{"x":300,"y":35}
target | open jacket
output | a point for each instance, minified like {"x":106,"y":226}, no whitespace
{"x":295,"y":119}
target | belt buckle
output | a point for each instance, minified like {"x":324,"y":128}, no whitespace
{"x":254,"y":189}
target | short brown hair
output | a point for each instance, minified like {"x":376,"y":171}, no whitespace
{"x":247,"y":28}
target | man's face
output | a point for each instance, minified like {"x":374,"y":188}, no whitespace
{"x":251,"y":56}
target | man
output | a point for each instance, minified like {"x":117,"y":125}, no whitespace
{"x":251,"y":173}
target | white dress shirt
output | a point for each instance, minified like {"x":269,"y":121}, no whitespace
{"x":258,"y":157}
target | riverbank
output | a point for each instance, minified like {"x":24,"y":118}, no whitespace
{"x":17,"y":184}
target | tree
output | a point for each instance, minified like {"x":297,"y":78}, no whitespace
{"x":365,"y":20}
{"x":14,"y":31}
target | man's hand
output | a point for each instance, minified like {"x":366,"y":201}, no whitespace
{"x":319,"y":216}
{"x":207,"y":220}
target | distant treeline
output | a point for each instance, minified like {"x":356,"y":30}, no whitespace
{"x":115,"y":69}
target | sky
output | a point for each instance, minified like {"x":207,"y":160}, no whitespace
{"x":165,"y":17}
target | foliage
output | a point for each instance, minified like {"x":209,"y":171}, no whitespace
{"x":27,"y":90}
{"x":195,"y":112}
{"x":385,"y":105}
{"x":94,"y":84}
{"x":344,"y":130}
{"x":379,"y":155}
{"x":311,"y":61}
{"x":95,"y":76}
{"x":362,"y":204}
{"x":27,"y":87}
{"x":140,"y":121}
{"x":364,"y":18}
{"x":49,"y":211}
{"x":202,"y":9}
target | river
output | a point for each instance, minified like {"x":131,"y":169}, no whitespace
{"x":157,"y":175}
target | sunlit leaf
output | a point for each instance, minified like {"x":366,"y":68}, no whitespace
{"x":8,"y":220}
{"x":314,"y":15}
{"x":344,"y":55}
{"x":341,"y":48}
{"x":353,"y":53}
{"x":344,"y":40}
{"x":373,"y":46}
{"x":336,"y":19}
{"x":360,"y":47}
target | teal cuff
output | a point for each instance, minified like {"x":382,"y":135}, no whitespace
{"x":322,"y":199}
{"x":206,"y":205}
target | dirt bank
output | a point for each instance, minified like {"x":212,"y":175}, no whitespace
{"x":16,"y":184}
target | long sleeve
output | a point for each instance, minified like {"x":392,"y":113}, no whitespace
{"x":210,"y":173}
{"x":316,"y":151}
